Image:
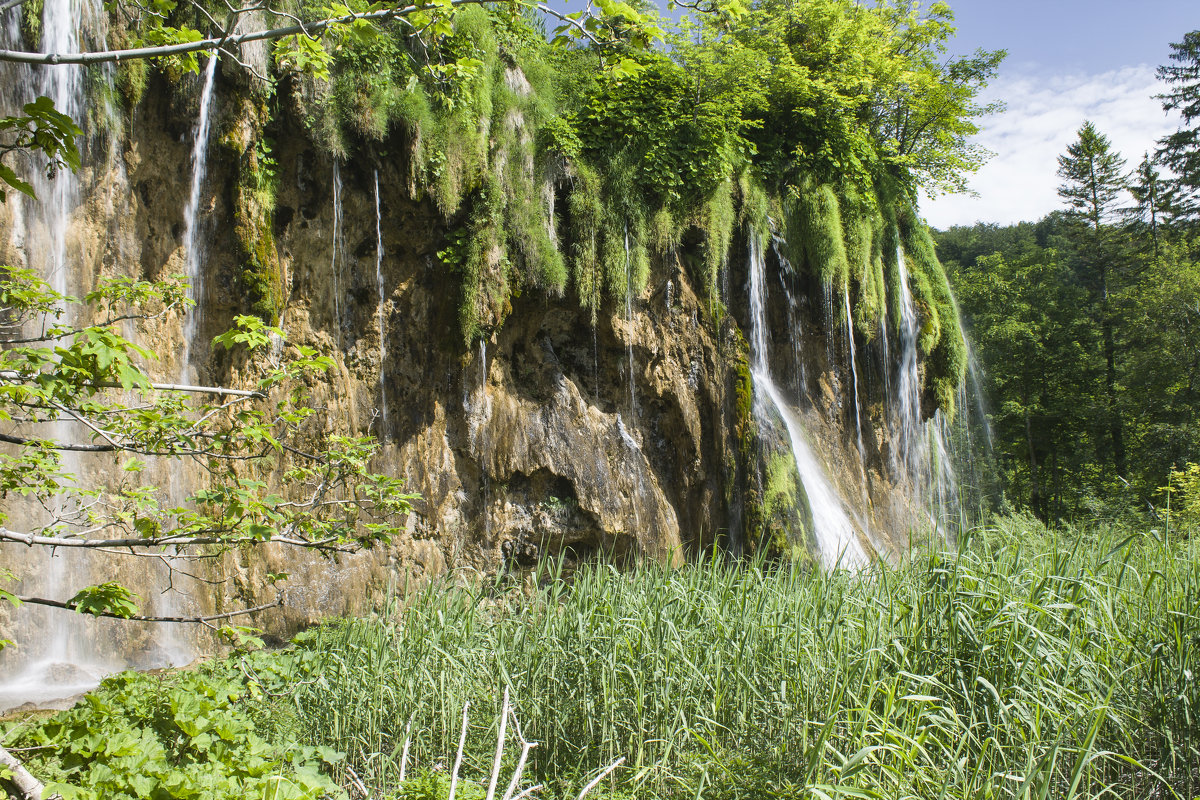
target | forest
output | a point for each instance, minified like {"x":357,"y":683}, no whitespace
{"x":1086,"y":322}
{"x":471,"y":400}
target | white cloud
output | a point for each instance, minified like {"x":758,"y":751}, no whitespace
{"x":1043,"y":116}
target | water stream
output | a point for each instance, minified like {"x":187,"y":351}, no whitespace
{"x":382,"y":307}
{"x":66,"y":657}
{"x":335,"y":264}
{"x":854,"y":373}
{"x":922,"y":455}
{"x":192,"y":252}
{"x":836,"y":534}
{"x":629,"y":331}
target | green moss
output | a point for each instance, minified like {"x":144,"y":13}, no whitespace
{"x":814,"y":228}
{"x":253,"y":214}
{"x":31,"y":22}
{"x":941,"y":340}
{"x":863,"y":226}
{"x":716,"y":221}
{"x":132,"y":75}
{"x":786,"y":509}
{"x":755,"y":206}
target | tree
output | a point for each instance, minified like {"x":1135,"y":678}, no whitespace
{"x":1146,"y":215}
{"x":1093,"y":182}
{"x":174,"y":33}
{"x":84,"y":391}
{"x":1180,"y":151}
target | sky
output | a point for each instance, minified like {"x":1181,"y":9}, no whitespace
{"x":1069,"y":61}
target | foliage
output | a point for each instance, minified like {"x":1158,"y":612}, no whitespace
{"x":1025,"y":662}
{"x":40,"y":129}
{"x":1183,"y":500}
{"x":56,"y":367}
{"x":1081,"y":321}
{"x":207,"y":734}
{"x":1180,"y":151}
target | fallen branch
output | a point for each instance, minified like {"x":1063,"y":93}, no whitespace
{"x":462,"y":744}
{"x":29,"y":786}
{"x":601,"y":776}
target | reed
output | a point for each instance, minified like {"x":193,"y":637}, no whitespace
{"x":1021,"y":663}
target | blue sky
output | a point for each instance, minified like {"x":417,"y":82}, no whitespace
{"x":1069,"y":60}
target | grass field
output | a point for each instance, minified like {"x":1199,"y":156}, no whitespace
{"x":1020,"y":663}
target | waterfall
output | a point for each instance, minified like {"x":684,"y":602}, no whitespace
{"x":477,"y":407}
{"x":177,"y":651}
{"x":854,"y":373}
{"x":382,"y":301}
{"x":978,"y":404}
{"x":60,"y":652}
{"x":335,"y":264}
{"x":191,"y":216}
{"x":629,"y":330}
{"x":837,"y":537}
{"x":921,"y":454}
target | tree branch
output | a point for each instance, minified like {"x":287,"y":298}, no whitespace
{"x":74,"y":448}
{"x":213,"y":43}
{"x":180,"y":540}
{"x":41,"y":601}
{"x":12,"y":376}
{"x":29,"y":786}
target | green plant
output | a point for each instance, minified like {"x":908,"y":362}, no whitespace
{"x":191,"y":735}
{"x":1025,"y":662}
{"x":87,"y":370}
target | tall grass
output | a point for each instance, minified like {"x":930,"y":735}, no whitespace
{"x":1023,"y":663}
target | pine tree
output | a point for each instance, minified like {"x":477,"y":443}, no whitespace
{"x":1146,"y":215}
{"x":1093,"y":180}
{"x":1180,"y":151}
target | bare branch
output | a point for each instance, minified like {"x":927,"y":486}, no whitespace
{"x":29,"y":786}
{"x":75,"y":448}
{"x":178,"y":540}
{"x":41,"y":601}
{"x":221,"y":391}
{"x":601,"y":776}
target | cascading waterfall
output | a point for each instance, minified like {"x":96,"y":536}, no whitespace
{"x":176,"y":650}
{"x":477,"y":406}
{"x":837,"y":536}
{"x":908,"y":388}
{"x":922,"y":455}
{"x":629,"y":329}
{"x":192,"y":253}
{"x":67,"y":658}
{"x":853,"y":372}
{"x":335,"y":265}
{"x":793,"y":310}
{"x":631,"y":443}
{"x":382,"y":305}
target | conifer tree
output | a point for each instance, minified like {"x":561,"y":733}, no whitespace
{"x":1180,"y":151}
{"x":1146,"y":215}
{"x":1093,"y":181}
